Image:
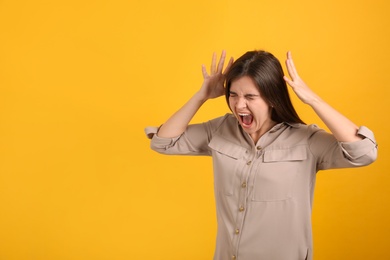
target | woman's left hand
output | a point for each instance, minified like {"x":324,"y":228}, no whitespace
{"x":343,"y":129}
{"x":304,"y":93}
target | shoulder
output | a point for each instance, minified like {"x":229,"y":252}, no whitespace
{"x":302,"y":128}
{"x":228,"y":120}
{"x":301,"y":133}
{"x":225,"y":118}
{"x":226,"y":128}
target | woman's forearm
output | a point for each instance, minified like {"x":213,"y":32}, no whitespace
{"x":341,"y":127}
{"x":179,"y":121}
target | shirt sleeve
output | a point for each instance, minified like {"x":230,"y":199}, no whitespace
{"x":194,"y":141}
{"x":331,"y":153}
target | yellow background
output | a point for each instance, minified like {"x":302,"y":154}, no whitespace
{"x":79,"y":80}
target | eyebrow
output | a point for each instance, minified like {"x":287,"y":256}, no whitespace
{"x":251,"y":95}
{"x":246,"y":95}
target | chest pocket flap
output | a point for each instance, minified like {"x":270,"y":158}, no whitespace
{"x":223,"y":146}
{"x":296,"y":153}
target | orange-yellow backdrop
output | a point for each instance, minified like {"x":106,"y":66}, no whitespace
{"x":79,"y":80}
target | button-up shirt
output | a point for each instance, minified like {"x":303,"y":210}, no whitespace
{"x":264,"y":191}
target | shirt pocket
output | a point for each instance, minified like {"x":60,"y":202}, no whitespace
{"x":226,"y":158}
{"x":275,"y":175}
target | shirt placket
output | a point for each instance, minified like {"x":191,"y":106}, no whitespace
{"x":242,"y":202}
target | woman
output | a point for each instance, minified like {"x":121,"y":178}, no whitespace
{"x":265,"y":158}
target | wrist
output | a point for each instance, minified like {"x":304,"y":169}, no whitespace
{"x":314,"y":101}
{"x":200,"y":97}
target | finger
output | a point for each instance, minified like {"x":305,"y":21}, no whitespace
{"x":288,"y":81}
{"x":230,"y":63}
{"x":289,"y":55}
{"x":204,"y":71}
{"x":213,"y":63}
{"x":221,"y":62}
{"x":288,"y":64}
{"x":291,"y":66}
{"x":289,"y":69}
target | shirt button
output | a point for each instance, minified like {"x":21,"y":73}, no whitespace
{"x":243,"y":185}
{"x":234,"y":257}
{"x":258,"y":147}
{"x":249,"y":163}
{"x":237,"y":231}
{"x":241,"y":209}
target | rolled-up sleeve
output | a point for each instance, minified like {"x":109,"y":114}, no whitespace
{"x":334,"y":154}
{"x":194,"y":141}
{"x":364,"y":151}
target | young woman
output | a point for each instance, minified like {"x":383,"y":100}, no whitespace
{"x":265,"y":158}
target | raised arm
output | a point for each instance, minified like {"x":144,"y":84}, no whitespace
{"x":341,"y":127}
{"x":212,"y":87}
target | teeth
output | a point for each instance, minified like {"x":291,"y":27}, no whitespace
{"x":243,"y":114}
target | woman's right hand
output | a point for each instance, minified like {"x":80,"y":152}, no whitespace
{"x":212,"y":87}
{"x":213,"y":83}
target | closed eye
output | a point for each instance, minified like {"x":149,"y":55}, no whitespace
{"x":251,"y":96}
{"x":232,"y":94}
{"x":247,"y":96}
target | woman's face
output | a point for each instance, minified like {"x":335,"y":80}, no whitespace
{"x":250,"y":109}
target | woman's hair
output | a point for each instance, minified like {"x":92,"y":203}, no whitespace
{"x":267,"y":73}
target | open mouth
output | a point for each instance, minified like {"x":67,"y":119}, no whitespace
{"x":246,"y":119}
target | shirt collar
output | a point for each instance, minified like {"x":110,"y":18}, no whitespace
{"x":283,"y":124}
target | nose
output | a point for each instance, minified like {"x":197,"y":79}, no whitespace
{"x":241,"y":103}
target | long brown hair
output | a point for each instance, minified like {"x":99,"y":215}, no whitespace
{"x":267,"y":73}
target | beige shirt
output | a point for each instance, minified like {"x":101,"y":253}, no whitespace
{"x":264,"y":191}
